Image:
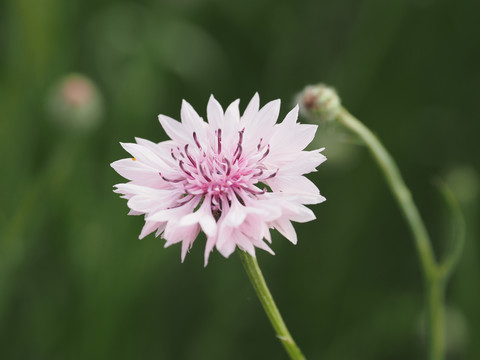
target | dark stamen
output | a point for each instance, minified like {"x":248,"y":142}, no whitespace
{"x":190,"y":157}
{"x":229,"y":168}
{"x":266,"y":153}
{"x":183,"y":168}
{"x":240,"y":136}
{"x":180,"y":152}
{"x":219,"y":136}
{"x":259,"y":144}
{"x":173,"y":155}
{"x":203,"y":173}
{"x":170,"y":180}
{"x":240,"y":141}
{"x":239,"y":198}
{"x":196,"y":140}
{"x":240,"y":149}
{"x":271,"y":175}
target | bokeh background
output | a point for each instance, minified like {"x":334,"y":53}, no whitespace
{"x":76,"y":283}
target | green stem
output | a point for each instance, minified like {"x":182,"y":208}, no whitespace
{"x":255,"y":274}
{"x":436,"y":318}
{"x":435,"y":279}
{"x":399,"y":189}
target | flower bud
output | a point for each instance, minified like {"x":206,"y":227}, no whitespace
{"x":319,"y":102}
{"x":75,"y":102}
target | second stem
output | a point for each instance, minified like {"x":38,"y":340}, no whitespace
{"x":434,"y":281}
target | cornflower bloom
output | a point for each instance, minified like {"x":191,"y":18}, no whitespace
{"x":234,"y":177}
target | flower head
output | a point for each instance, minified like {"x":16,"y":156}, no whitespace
{"x":234,"y":177}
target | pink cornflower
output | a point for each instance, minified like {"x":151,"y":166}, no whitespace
{"x":233,"y":178}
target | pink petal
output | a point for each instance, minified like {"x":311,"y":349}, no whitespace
{"x":286,"y":228}
{"x":214,"y":113}
{"x":251,"y":110}
{"x":175,"y":130}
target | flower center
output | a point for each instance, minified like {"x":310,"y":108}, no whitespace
{"x":221,"y":174}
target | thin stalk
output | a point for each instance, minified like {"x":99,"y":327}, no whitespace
{"x":436,"y":318}
{"x":255,"y":274}
{"x":435,"y":279}
{"x":399,"y":189}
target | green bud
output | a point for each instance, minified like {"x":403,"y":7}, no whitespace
{"x":319,"y":103}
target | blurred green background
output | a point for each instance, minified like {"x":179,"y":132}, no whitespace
{"x":75,"y":283}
